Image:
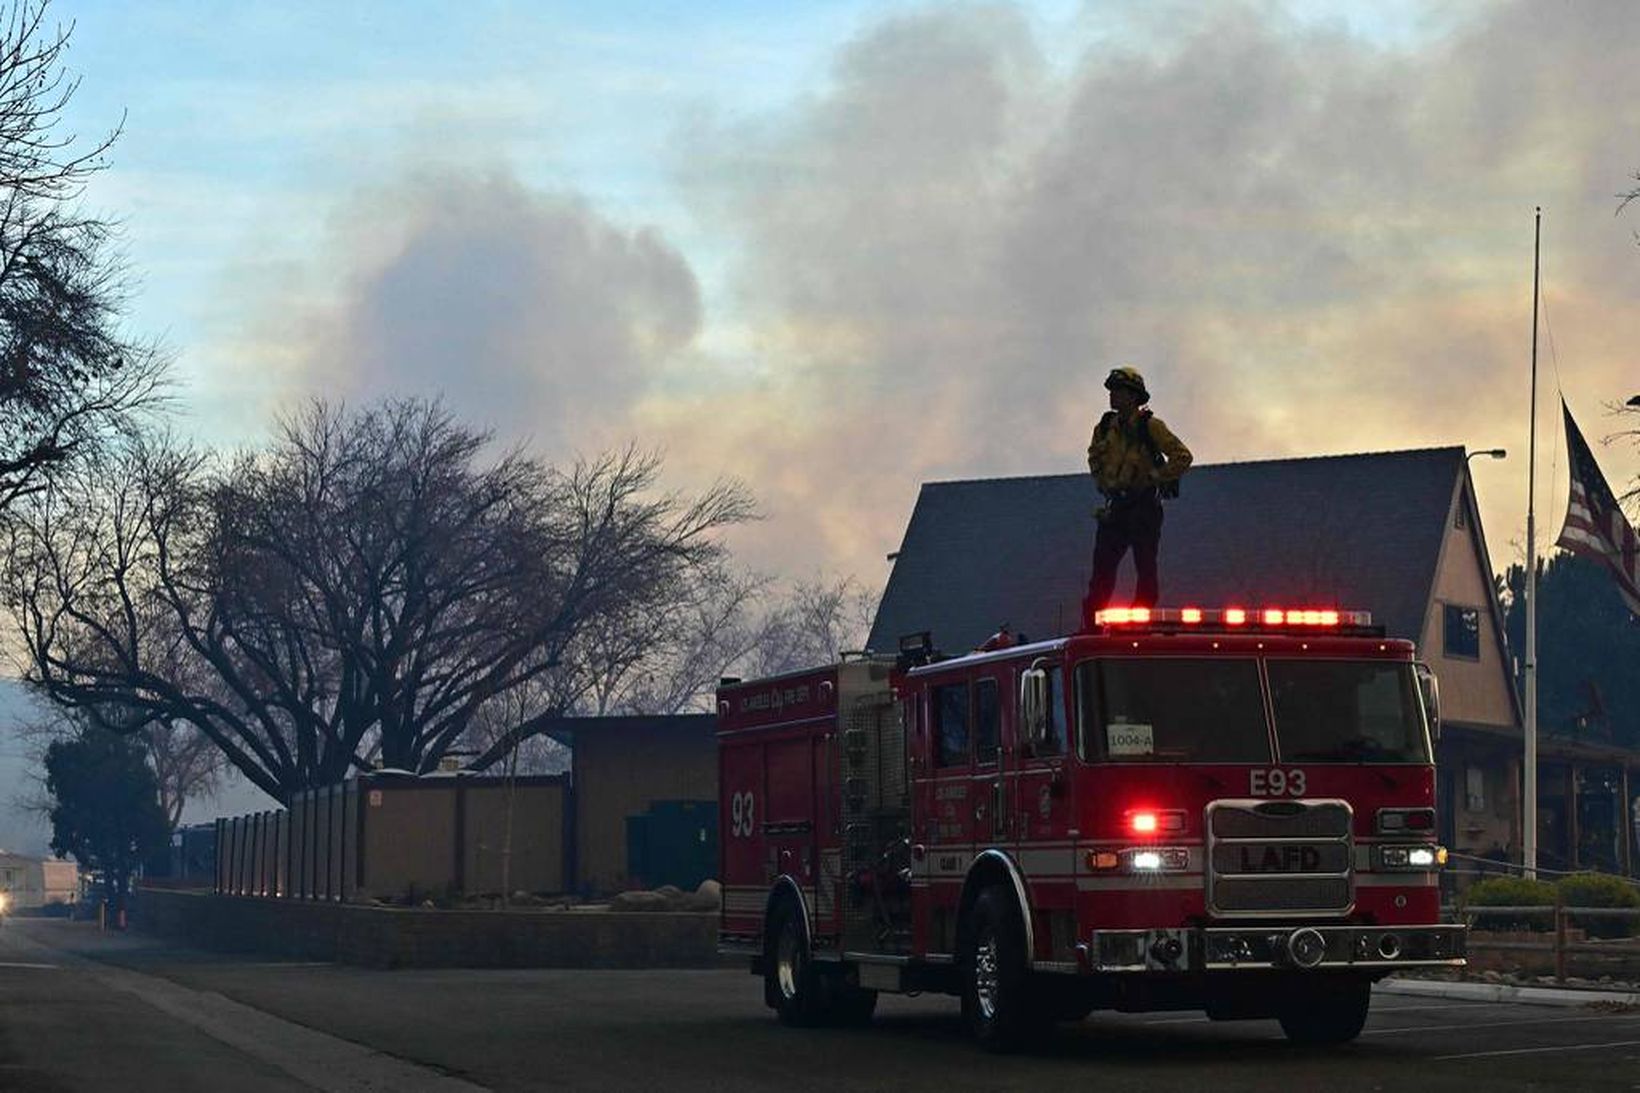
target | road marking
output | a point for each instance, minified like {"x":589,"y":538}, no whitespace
{"x":1537,"y":1050}
{"x":1443,"y":1006}
{"x":1491,"y":1024}
{"x":1376,"y":1010}
{"x":9,"y":964}
{"x":1199,"y":1017}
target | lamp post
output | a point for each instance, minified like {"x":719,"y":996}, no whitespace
{"x":1501,"y":453}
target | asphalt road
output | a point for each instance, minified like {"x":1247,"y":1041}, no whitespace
{"x":83,"y":1011}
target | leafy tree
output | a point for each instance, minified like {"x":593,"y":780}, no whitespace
{"x":105,"y":807}
{"x":70,"y":383}
{"x":367,"y":589}
{"x":1588,"y":646}
{"x":186,"y":765}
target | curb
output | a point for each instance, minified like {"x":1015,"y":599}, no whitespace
{"x":1503,"y":992}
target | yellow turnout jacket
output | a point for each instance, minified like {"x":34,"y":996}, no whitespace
{"x":1121,"y":459}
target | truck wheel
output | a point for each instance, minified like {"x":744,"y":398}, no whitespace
{"x":791,"y":984}
{"x":1327,"y":1013}
{"x":995,"y":1002}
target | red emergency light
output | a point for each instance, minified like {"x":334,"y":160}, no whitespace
{"x":1152,"y":821}
{"x":1268,"y":618}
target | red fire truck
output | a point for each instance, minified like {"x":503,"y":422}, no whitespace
{"x":1221,"y":809}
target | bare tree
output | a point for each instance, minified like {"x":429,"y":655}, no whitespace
{"x":665,"y":656}
{"x":815,"y":623}
{"x":69,"y":382}
{"x":1629,"y":413}
{"x":187,"y":765}
{"x":362,"y":592}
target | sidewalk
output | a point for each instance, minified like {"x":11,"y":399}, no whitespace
{"x":1506,"y":992}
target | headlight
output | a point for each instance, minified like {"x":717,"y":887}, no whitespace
{"x":1159,"y":860}
{"x":1410,"y":858}
{"x":1139,"y":859}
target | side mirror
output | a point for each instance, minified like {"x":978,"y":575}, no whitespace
{"x":1430,"y":688}
{"x":1033,"y":707}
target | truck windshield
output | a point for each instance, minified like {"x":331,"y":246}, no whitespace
{"x":1171,"y":711}
{"x":1342,"y":711}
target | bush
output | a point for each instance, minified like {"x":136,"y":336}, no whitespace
{"x":1511,"y":892}
{"x":1601,"y":890}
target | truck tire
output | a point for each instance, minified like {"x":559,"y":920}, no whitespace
{"x":996,"y":1001}
{"x":791,"y":984}
{"x":800,"y":991}
{"x":1327,"y":1013}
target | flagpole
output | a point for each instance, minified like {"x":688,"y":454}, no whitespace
{"x":1529,"y":775}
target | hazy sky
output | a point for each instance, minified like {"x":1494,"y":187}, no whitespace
{"x":845,"y":248}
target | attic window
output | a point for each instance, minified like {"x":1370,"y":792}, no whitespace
{"x":1462,"y":637}
{"x":1461,"y":521}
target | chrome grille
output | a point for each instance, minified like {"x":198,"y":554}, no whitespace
{"x":1269,"y":857}
{"x":1282,"y":893}
{"x":1281,"y":820}
{"x":1265,"y":857}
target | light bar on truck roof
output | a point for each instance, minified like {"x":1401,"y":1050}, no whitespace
{"x":1266,"y":618}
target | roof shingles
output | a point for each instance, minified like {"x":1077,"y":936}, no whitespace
{"x":1359,"y":531}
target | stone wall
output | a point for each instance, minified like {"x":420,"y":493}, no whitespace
{"x":392,"y":937}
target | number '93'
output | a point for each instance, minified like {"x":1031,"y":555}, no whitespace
{"x":1276,"y":783}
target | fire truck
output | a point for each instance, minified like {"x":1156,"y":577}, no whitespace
{"x":1229,"y":810}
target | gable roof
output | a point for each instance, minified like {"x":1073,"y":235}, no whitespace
{"x":1359,"y":531}
{"x":565,"y":730}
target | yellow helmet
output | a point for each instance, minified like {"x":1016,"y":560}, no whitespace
{"x":1129,"y":378}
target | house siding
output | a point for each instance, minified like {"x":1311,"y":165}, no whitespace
{"x":1473,"y":690}
{"x":620,"y":772}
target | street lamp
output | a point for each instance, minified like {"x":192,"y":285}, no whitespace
{"x":1500,"y":453}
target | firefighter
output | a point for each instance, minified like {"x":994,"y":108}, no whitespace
{"x":1136,"y":462}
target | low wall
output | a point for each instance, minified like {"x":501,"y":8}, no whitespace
{"x":392,"y":937}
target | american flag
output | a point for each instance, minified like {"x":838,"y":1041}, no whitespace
{"x":1595,"y":525}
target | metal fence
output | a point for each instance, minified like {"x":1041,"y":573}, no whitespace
{"x":397,"y":837}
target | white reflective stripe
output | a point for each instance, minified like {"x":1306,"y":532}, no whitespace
{"x":1037,"y":863}
{"x":745,"y":900}
{"x":1163,"y":882}
{"x":943,"y":861}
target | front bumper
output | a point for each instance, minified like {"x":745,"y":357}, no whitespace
{"x":1363,"y":948}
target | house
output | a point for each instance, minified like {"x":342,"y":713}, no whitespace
{"x":36,"y":882}
{"x":645,"y":800}
{"x":1395,"y":533}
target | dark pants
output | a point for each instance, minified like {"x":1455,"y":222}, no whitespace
{"x":1136,"y":525}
